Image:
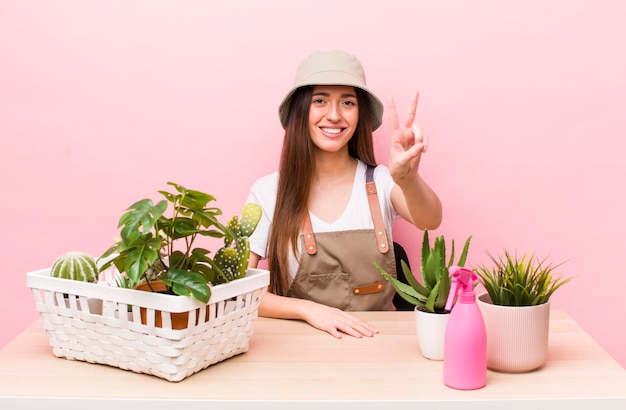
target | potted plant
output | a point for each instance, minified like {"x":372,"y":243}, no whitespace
{"x":429,"y":296}
{"x":217,"y":293}
{"x":79,"y":266}
{"x":161,"y":254}
{"x":516,"y":309}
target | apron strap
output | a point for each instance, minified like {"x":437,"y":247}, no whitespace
{"x":309,"y":237}
{"x":377,"y":217}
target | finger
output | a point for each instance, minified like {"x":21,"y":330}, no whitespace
{"x":410,"y":115}
{"x":369,"y":331}
{"x":334,"y":333}
{"x":356,"y":327}
{"x":419,"y":136}
{"x":417,"y":149}
{"x":357,"y":331}
{"x":364,"y":328}
{"x":393,"y":114}
{"x":352,"y":332}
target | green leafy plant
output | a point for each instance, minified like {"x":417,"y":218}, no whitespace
{"x":432,"y":293}
{"x":156,"y":247}
{"x":519,"y":281}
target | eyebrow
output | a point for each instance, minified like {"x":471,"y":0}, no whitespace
{"x":345,"y":95}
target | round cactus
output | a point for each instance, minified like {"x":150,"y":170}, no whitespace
{"x":76,"y":266}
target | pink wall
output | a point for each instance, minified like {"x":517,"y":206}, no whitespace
{"x":523,"y":102}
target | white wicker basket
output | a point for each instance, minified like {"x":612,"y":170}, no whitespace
{"x":83,"y":322}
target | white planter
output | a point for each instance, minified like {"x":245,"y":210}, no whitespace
{"x":80,"y":328}
{"x":517,"y":336}
{"x":431,"y":333}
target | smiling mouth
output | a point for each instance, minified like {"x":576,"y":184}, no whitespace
{"x":332,"y":131}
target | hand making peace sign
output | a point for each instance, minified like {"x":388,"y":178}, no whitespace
{"x":407,"y":143}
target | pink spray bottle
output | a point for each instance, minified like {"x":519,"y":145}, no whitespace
{"x":465,"y":348}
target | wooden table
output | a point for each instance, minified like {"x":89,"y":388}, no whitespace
{"x":291,"y":365}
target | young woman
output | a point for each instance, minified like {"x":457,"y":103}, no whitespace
{"x":329,"y":209}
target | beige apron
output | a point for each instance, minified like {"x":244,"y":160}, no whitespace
{"x":338,"y":269}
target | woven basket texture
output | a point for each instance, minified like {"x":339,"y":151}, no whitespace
{"x":99,"y":323}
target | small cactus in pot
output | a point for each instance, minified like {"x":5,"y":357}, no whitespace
{"x":75,"y":265}
{"x":232,"y":259}
{"x":78,"y":266}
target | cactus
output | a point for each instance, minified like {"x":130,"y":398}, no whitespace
{"x":76,"y":266}
{"x":232,"y":259}
{"x":250,"y":216}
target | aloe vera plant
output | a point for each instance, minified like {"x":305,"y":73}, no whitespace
{"x":432,"y":293}
{"x":519,"y":281}
{"x":154,"y":246}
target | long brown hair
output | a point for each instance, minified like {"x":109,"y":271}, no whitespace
{"x":294,"y":181}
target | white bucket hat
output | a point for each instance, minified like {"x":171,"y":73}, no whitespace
{"x":332,"y":68}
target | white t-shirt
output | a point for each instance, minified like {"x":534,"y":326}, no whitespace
{"x":355,"y":216}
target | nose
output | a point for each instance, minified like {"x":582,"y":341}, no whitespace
{"x":333,"y":113}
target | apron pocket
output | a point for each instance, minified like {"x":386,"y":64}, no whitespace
{"x":332,"y":289}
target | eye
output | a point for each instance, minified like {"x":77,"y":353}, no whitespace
{"x":318,"y":101}
{"x":349,"y":101}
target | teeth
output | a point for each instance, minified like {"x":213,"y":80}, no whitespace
{"x":331,"y":130}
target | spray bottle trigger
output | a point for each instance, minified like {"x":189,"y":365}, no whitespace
{"x":454,"y":286}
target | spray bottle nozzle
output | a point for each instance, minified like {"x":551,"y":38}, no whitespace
{"x":462,"y":281}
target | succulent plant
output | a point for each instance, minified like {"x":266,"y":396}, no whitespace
{"x":232,"y":259}
{"x":519,"y":281}
{"x":76,"y":266}
{"x":430,"y":295}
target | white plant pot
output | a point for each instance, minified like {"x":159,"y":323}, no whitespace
{"x":431,"y":333}
{"x":517,"y":336}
